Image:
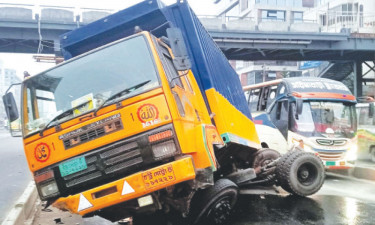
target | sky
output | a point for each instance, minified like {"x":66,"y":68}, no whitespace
{"x":25,"y":62}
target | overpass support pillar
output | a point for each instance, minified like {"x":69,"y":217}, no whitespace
{"x":57,"y":47}
{"x":358,"y":78}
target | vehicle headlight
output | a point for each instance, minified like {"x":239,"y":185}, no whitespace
{"x":164,"y":149}
{"x":49,"y":189}
{"x":46,"y":184}
{"x":351,"y":154}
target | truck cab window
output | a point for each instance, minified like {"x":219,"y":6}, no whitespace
{"x":171,"y":72}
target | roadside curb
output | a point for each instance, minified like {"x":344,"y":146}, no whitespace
{"x":363,"y":173}
{"x":24,"y":207}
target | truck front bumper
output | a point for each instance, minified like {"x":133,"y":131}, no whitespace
{"x":128,"y":188}
{"x":338,"y":165}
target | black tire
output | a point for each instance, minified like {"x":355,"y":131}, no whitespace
{"x":264,"y":156}
{"x":301,"y":173}
{"x":214,"y":205}
{"x":280,"y":172}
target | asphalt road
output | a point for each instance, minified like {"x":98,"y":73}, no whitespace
{"x":340,"y":201}
{"x":14,"y":172}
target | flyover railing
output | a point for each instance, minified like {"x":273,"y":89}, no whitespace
{"x":51,"y":13}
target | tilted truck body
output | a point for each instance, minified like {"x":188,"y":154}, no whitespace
{"x":117,"y":130}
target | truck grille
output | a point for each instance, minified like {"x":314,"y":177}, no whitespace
{"x":106,"y":163}
{"x":331,"y":156}
{"x":92,"y":131}
{"x":328,"y":142}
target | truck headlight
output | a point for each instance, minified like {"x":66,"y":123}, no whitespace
{"x":46,"y":184}
{"x":351,"y":154}
{"x":164,"y":149}
{"x":49,"y":189}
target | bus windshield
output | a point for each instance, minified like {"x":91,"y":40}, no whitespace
{"x":326,"y":119}
{"x":84,"y":84}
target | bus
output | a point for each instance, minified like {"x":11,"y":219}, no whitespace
{"x":316,"y":114}
{"x":366,"y":130}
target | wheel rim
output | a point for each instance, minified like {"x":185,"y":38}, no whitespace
{"x":265,"y":162}
{"x":307,"y":174}
{"x":220,"y":211}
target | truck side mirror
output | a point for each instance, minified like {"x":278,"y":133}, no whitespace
{"x":10,"y":107}
{"x":299,"y":105}
{"x":181,"y":59}
{"x":371,"y":110}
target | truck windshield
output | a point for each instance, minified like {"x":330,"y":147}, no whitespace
{"x":326,"y":119}
{"x":87,"y":82}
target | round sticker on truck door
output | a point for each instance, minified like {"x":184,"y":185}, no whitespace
{"x":148,"y":114}
{"x":42,"y":152}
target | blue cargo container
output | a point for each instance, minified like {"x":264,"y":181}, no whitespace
{"x":209,"y":65}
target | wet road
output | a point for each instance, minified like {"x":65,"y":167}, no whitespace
{"x":14,"y":172}
{"x":340,"y":201}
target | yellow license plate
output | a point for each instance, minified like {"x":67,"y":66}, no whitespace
{"x":159,"y":176}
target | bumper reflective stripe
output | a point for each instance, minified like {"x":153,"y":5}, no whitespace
{"x":130,"y":187}
{"x":83,"y":203}
{"x":127,"y":189}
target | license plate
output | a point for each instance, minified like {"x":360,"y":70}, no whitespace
{"x":158,"y":177}
{"x":330,"y":163}
{"x":72,"y":166}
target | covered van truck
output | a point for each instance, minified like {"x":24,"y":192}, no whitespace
{"x":147,"y":114}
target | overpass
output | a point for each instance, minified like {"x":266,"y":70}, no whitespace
{"x":27,"y":28}
{"x":36,"y":29}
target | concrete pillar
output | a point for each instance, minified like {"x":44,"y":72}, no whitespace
{"x":57,"y":48}
{"x":358,"y":79}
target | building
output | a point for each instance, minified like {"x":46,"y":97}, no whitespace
{"x":356,"y":17}
{"x":268,"y":16}
{"x":253,"y":72}
{"x":7,"y":77}
{"x":333,"y":15}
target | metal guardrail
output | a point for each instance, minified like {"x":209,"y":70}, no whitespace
{"x":78,"y":14}
{"x":331,"y":22}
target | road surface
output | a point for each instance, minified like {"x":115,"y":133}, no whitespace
{"x":340,"y":201}
{"x":14,"y":172}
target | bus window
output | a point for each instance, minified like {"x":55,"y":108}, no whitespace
{"x":271,"y":96}
{"x":281,"y":90}
{"x":253,"y":100}
{"x":363,"y":116}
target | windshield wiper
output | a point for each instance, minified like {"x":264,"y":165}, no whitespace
{"x":62,"y":115}
{"x":121,"y":93}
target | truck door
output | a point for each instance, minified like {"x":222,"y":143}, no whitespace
{"x":279,"y":116}
{"x":181,"y":87}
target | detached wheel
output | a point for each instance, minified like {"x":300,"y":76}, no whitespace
{"x":301,"y":173}
{"x":214,"y":205}
{"x":264,"y":156}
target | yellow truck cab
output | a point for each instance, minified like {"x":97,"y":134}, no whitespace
{"x":129,"y":120}
{"x":135,"y":122}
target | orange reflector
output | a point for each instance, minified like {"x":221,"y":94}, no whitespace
{"x":45,"y":176}
{"x":160,"y":136}
{"x":296,"y":94}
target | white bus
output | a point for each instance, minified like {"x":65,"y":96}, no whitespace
{"x":366,"y":130}
{"x":317,"y":114}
